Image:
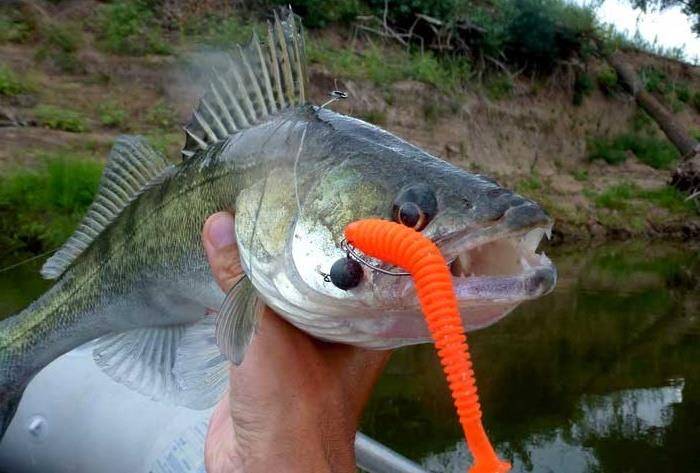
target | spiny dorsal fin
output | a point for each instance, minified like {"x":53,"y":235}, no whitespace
{"x":131,"y":167}
{"x":255,"y":81}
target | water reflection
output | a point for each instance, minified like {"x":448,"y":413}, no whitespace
{"x":628,"y":413}
{"x":601,"y":375}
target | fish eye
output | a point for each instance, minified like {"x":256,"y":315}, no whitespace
{"x":415,"y":206}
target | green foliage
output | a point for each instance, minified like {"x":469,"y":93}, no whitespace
{"x":654,"y":80}
{"x":60,"y":119}
{"x":11,"y":84}
{"x":320,"y":13}
{"x":542,"y":32}
{"x":683,"y":93}
{"x":385,"y":66}
{"x":40,"y":207}
{"x":580,"y":175}
{"x":111,"y":114}
{"x":60,"y":43}
{"x":607,"y":80}
{"x":532,"y":183}
{"x":641,"y":121}
{"x":499,"y":86}
{"x":402,"y":13}
{"x":655,"y":152}
{"x":606,"y":150}
{"x":615,"y":197}
{"x":220,"y":30}
{"x":623,"y":196}
{"x":161,"y":116}
{"x":13,"y":27}
{"x":583,"y":86}
{"x":695,"y":101}
{"x":130,"y":28}
{"x":377,"y":117}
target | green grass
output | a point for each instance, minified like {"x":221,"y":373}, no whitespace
{"x":39,"y":208}
{"x":532,"y":183}
{"x":13,"y":28}
{"x":60,"y":118}
{"x":580,"y":175}
{"x":11,"y":84}
{"x":220,"y":30}
{"x":498,"y":86}
{"x":606,"y":150}
{"x":111,"y":114}
{"x":655,"y":152}
{"x":383,"y":66}
{"x":161,"y":116}
{"x":60,"y":43}
{"x":130,"y":28}
{"x":627,"y":196}
{"x":376,"y":117}
{"x":607,"y":80}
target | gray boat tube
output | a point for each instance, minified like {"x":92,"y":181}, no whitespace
{"x":74,"y":418}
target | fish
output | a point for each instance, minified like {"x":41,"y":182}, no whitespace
{"x":133,"y":280}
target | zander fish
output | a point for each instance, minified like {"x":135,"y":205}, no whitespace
{"x":134,"y":276}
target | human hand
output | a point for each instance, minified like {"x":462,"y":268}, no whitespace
{"x":295,"y":402}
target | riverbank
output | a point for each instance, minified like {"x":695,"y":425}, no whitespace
{"x":573,"y":140}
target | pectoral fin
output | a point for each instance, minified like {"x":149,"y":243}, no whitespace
{"x":238,"y":319}
{"x":178,"y":363}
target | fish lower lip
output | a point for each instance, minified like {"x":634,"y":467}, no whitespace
{"x":530,"y":284}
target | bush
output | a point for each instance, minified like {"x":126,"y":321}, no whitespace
{"x":111,"y":115}
{"x":601,"y":148}
{"x":385,"y":66}
{"x":583,"y":86}
{"x":682,"y":93}
{"x":539,"y":33}
{"x":219,"y":30}
{"x":319,"y":13}
{"x":60,"y":44}
{"x":615,"y":197}
{"x":161,"y":116}
{"x":130,"y":28}
{"x":607,"y":80}
{"x":654,"y":80}
{"x":655,"y":152}
{"x":13,"y":28}
{"x":695,"y":101}
{"x":44,"y":205}
{"x":620,"y":197}
{"x":499,"y":86}
{"x":60,"y":119}
{"x":11,"y":84}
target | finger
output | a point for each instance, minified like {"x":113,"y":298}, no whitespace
{"x":219,"y":240}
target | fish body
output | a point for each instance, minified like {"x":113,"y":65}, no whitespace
{"x":135,"y":275}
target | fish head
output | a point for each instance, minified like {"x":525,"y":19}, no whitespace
{"x":489,"y":236}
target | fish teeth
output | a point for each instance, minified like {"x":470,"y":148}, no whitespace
{"x":465,"y":262}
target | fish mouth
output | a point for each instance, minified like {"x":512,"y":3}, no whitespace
{"x":500,"y":268}
{"x":497,"y":264}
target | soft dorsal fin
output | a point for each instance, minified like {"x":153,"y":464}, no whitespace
{"x":131,"y":167}
{"x":260,"y":79}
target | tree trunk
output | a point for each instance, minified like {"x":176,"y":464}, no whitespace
{"x":687,"y":175}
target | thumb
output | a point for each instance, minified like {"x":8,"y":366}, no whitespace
{"x":219,"y":240}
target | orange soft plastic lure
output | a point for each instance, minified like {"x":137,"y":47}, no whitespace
{"x":405,"y":247}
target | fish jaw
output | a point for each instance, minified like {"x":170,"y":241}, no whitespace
{"x":494,"y":269}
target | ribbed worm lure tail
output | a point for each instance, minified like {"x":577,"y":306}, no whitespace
{"x":404,"y":247}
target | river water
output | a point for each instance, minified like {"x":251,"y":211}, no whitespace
{"x":602,"y":375}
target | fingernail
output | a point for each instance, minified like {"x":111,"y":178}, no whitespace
{"x":221,"y":232}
